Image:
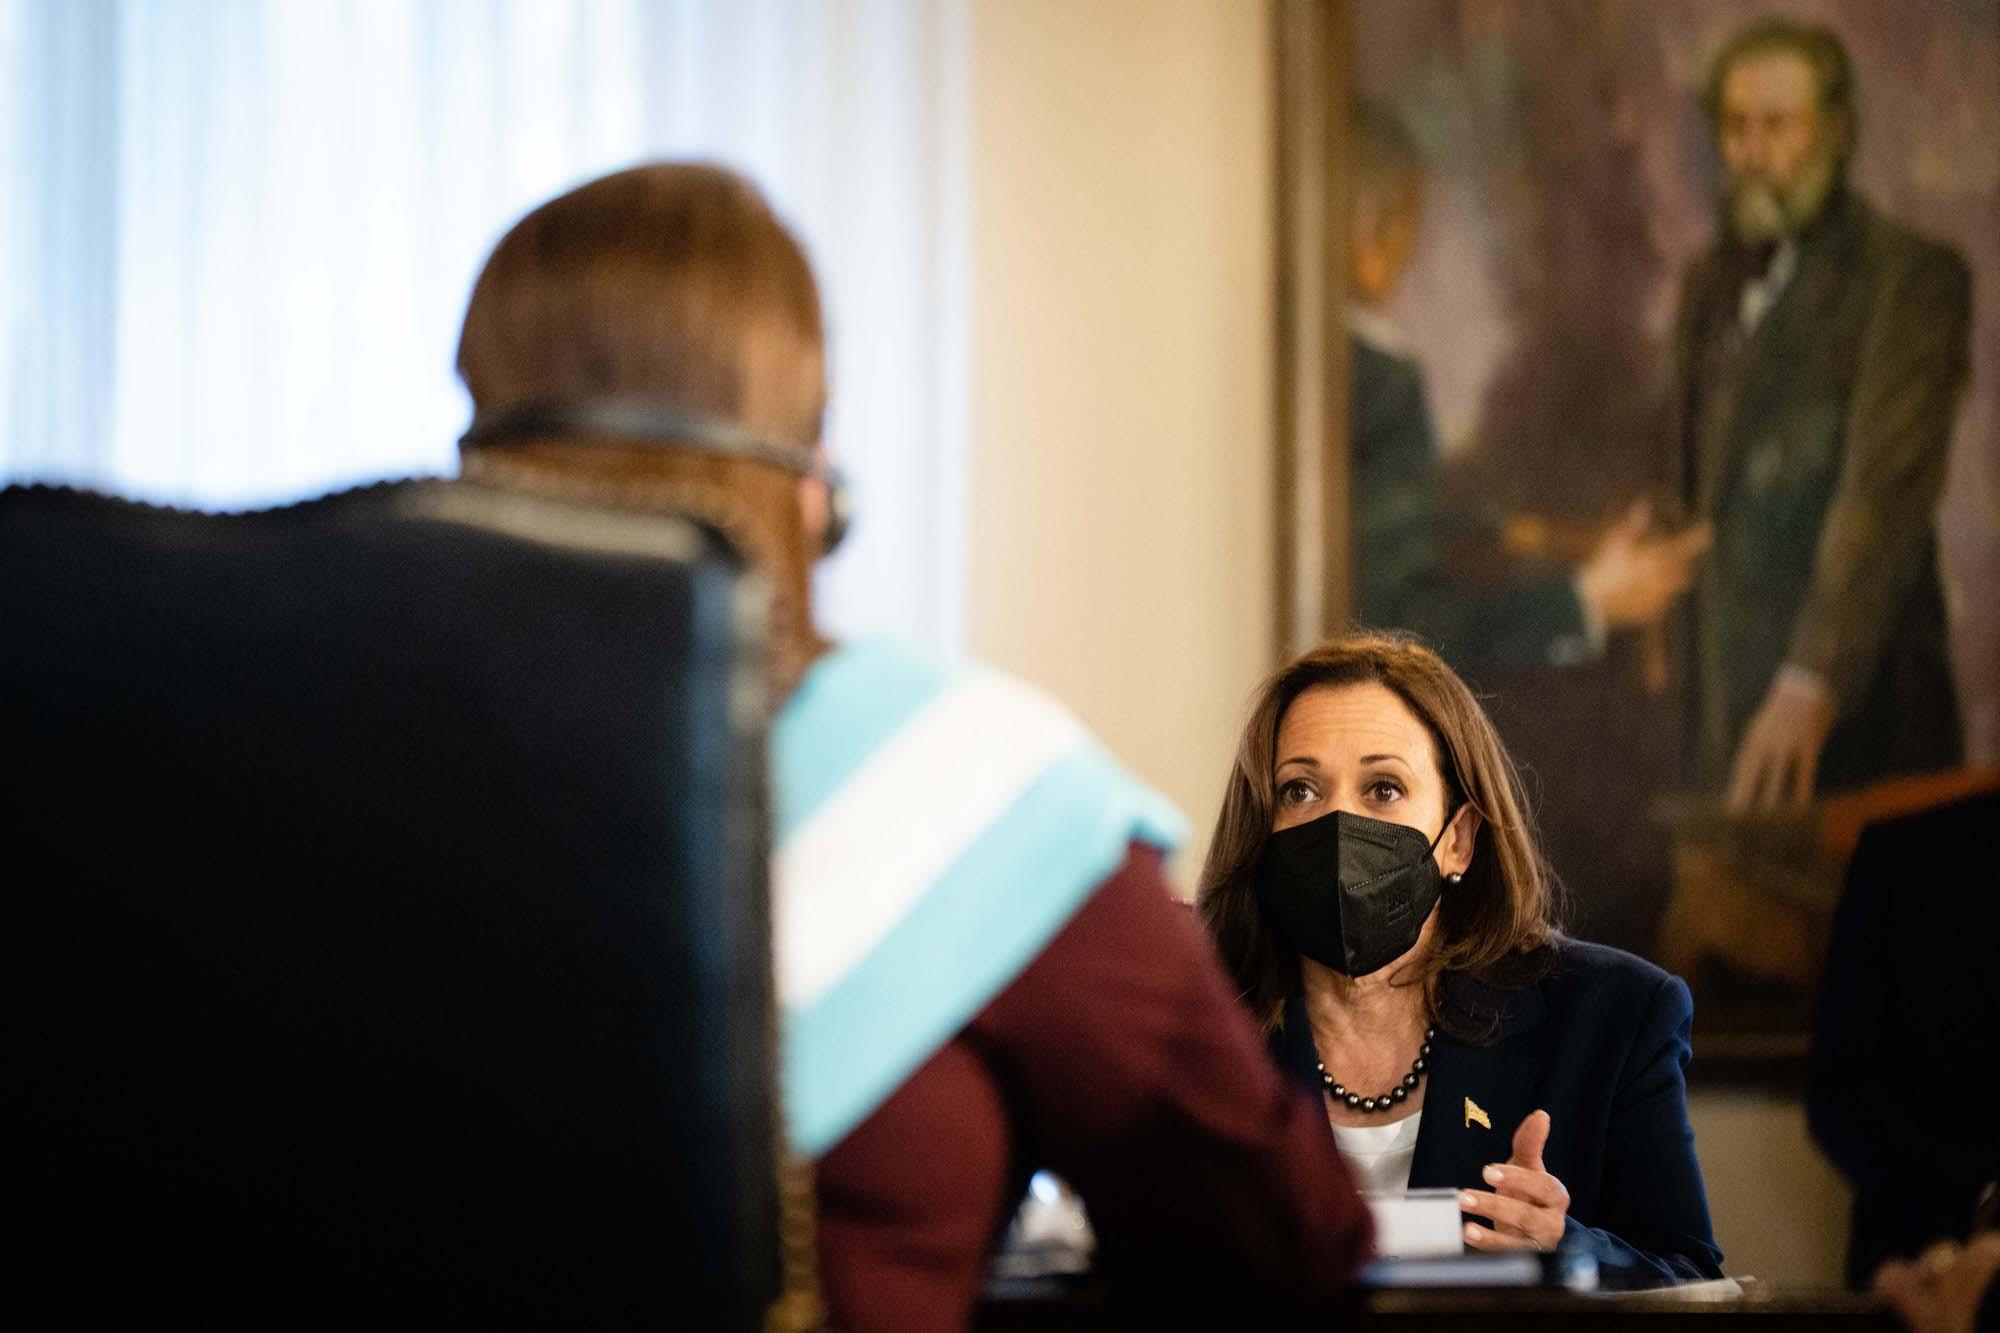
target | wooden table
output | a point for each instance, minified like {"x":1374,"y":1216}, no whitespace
{"x":1083,"y":1303}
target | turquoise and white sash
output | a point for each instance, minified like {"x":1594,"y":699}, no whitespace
{"x":936,"y":828}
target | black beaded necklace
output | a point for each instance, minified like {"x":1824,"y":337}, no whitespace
{"x":1400,"y":1093}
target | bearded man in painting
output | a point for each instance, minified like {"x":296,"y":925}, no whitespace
{"x":1821,"y":349}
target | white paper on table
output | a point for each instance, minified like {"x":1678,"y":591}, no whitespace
{"x":1707,"y":1289}
{"x":1418,"y":1225}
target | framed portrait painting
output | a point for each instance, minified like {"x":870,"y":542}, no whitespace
{"x":1645,"y":360}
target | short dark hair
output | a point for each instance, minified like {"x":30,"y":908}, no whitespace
{"x":673,"y":280}
{"x":1817,"y":46}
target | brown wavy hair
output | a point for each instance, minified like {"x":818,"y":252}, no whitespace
{"x":1498,"y":924}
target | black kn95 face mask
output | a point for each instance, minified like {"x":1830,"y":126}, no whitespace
{"x":1348,"y":891}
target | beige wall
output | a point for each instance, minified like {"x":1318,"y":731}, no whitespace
{"x":1780,"y":1209}
{"x":1119,"y":475}
{"x":1118,"y":480}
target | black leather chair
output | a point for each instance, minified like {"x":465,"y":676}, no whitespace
{"x":386,"y":930}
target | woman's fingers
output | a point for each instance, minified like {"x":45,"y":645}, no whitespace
{"x":1542,"y":1226}
{"x":1536,"y":1187}
{"x":1530,"y":1137}
{"x":1528,"y":1206}
{"x":1483,"y":1238}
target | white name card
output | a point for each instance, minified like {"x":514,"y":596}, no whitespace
{"x":1418,"y":1225}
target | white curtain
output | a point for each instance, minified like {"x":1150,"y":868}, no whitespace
{"x":236,"y":236}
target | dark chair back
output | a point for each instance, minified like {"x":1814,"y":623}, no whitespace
{"x":386,"y":932}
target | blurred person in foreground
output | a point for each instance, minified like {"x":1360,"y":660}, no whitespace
{"x":1901,"y":1086}
{"x":980,"y":966}
{"x":1376,"y":890}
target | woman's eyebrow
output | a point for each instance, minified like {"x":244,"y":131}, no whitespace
{"x":1378,"y":758}
{"x":1299,"y":759}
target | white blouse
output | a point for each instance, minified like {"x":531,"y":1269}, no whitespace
{"x":1380,"y":1155}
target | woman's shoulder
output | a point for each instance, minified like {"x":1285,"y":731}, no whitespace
{"x":880,"y":737}
{"x":1603,"y":964}
{"x":924,"y":811}
{"x":861,"y":695}
{"x":878,"y":702}
{"x":1610,"y":979}
{"x":881,"y":677}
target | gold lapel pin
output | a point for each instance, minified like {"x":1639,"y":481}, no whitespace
{"x":1474,"y":1115}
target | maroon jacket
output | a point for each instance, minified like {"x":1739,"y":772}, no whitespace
{"x":1120,"y":1060}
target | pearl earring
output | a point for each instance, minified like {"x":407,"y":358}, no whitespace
{"x":1456,"y":876}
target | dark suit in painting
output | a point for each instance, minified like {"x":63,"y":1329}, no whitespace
{"x":1401,"y":525}
{"x":1601,"y":1044}
{"x":1816,"y":444}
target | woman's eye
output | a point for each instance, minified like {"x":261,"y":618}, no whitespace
{"x":1384,"y":792}
{"x":1296,"y":792}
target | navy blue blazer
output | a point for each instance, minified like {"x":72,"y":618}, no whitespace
{"x":1601,"y":1044}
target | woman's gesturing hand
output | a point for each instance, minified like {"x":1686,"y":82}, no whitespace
{"x":1528,"y":1207}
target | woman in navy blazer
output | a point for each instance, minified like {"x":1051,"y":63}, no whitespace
{"x":1376,"y":890}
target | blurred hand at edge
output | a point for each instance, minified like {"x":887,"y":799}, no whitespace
{"x":1940,"y":1291}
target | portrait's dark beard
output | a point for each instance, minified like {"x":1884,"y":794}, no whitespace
{"x":1761,"y":212}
